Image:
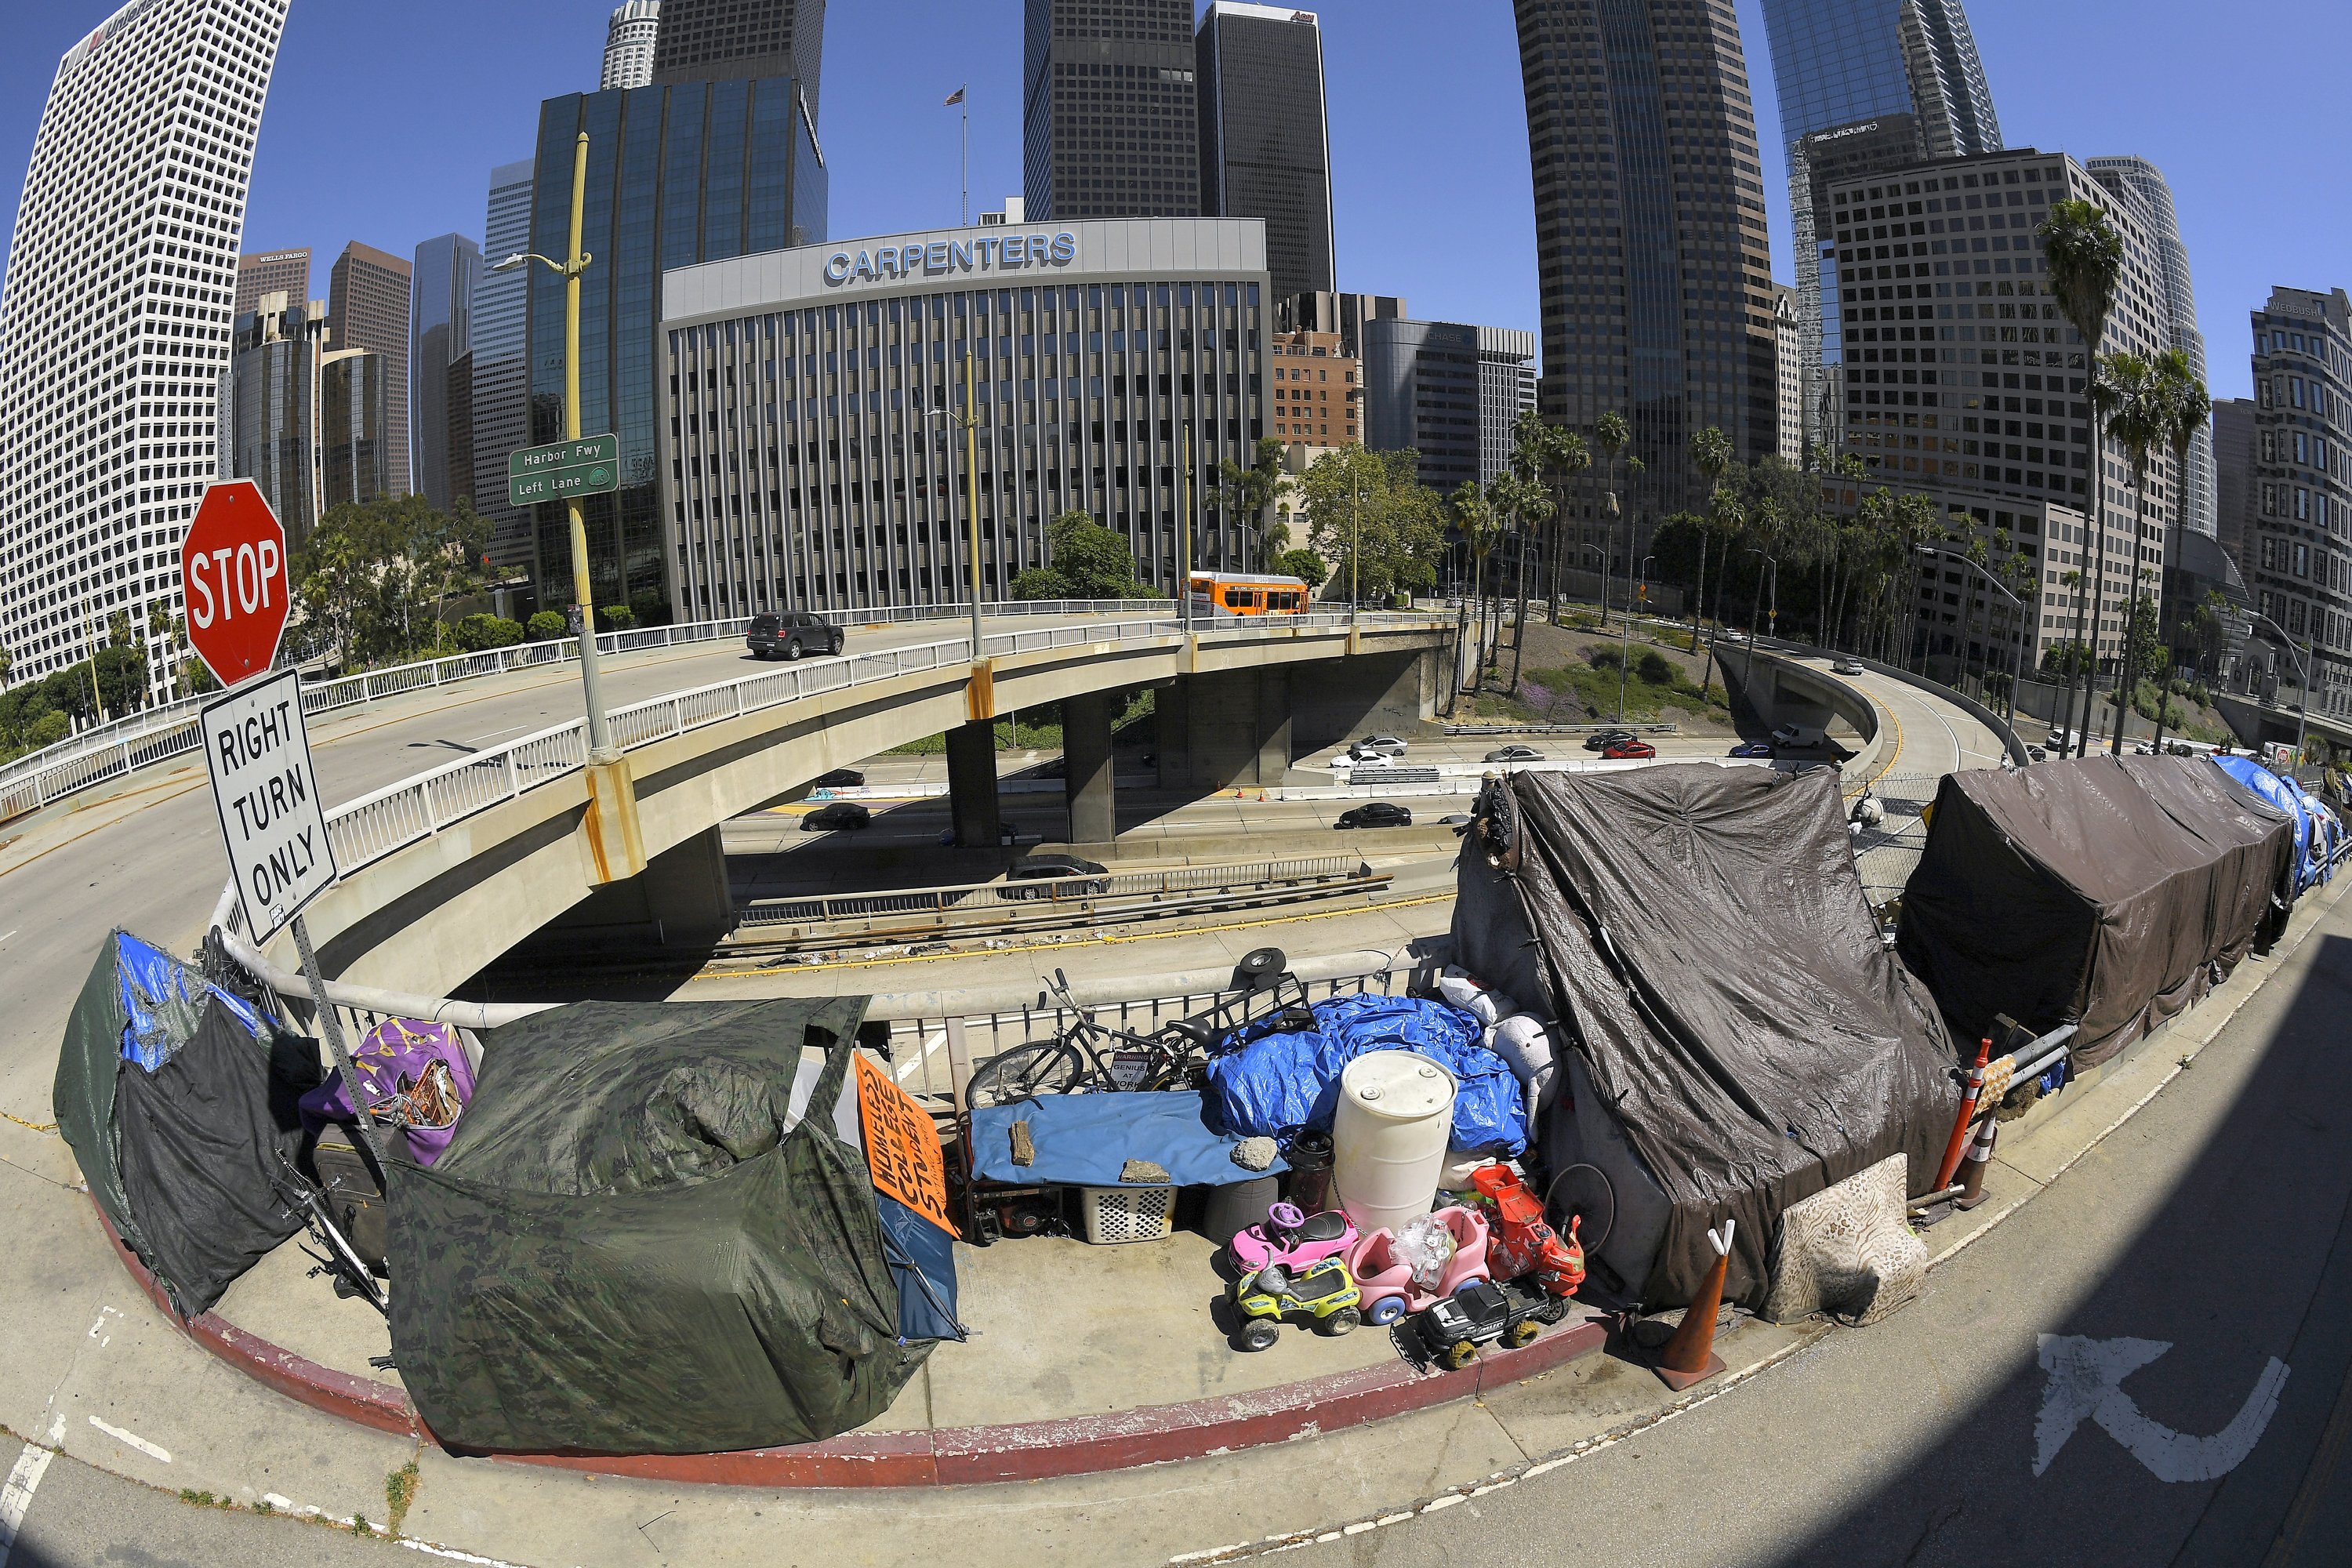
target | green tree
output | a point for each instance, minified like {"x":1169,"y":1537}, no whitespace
{"x":1084,"y":561}
{"x":1367,"y":513}
{"x":1711,"y":454}
{"x":1250,"y":492}
{"x":1303,"y":565}
{"x":6,"y":664}
{"x":1474,"y":520}
{"x":546,"y":627}
{"x":2126,"y":393}
{"x":2187,"y":405}
{"x":2084,"y":254}
{"x":1611,"y":435}
{"x":479,"y":633}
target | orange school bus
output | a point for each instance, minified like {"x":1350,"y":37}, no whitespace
{"x":1217,"y":594}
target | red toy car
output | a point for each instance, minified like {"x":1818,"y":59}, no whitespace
{"x":1519,"y":1241}
{"x":1628,"y":751}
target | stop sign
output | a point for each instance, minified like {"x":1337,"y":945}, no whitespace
{"x":233,"y":579}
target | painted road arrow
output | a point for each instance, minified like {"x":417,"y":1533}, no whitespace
{"x":2086,"y":1381}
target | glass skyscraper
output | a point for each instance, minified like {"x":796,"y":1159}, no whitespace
{"x":1265,"y":149}
{"x":1110,"y":122}
{"x":500,"y":338}
{"x":677,"y":175}
{"x":1864,"y":84}
{"x":440,"y":321}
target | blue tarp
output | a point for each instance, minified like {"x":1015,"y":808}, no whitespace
{"x":1085,"y":1140}
{"x":161,"y":999}
{"x":1281,"y":1085}
{"x":922,"y":1265}
{"x":2287,"y":796}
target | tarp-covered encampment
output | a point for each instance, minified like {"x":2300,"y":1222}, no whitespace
{"x":2109,"y":892}
{"x":653,"y":1232}
{"x":1741,"y":1037}
{"x":2287,"y":796}
{"x":180,"y":1101}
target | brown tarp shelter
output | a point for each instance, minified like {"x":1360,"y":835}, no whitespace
{"x":2109,"y":892}
{"x":1740,"y":1036}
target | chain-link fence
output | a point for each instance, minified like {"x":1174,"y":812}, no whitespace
{"x":1888,"y":851}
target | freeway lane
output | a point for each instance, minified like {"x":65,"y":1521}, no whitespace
{"x":147,"y":856}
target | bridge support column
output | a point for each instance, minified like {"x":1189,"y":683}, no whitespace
{"x":972,"y":785}
{"x":680,"y":900}
{"x":1225,"y":729}
{"x":1087,"y":782}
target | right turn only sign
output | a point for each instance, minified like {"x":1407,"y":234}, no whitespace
{"x":259,"y":757}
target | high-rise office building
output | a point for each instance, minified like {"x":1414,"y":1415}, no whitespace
{"x":441,"y":300}
{"x":1790,"y":375}
{"x":1318,"y":396}
{"x":741,"y":40}
{"x":115,"y":318}
{"x":1110,"y":122}
{"x":272,"y":421}
{"x":2233,"y":474}
{"x":1342,"y":315}
{"x":500,"y":340}
{"x":2297,"y":549}
{"x":355,"y":430}
{"x":1448,"y":391}
{"x":1265,"y":149}
{"x":629,"y":45}
{"x":1961,"y":378}
{"x":367,"y":308}
{"x":286,"y":272}
{"x":2146,"y":182}
{"x":1864,"y":85}
{"x":676,"y":175}
{"x":1654,"y":267}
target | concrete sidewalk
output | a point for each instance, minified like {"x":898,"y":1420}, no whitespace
{"x":91,"y":1368}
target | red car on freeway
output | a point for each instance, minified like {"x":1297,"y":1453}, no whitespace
{"x":1628,"y":751}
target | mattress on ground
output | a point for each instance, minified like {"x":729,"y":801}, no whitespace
{"x":1087,"y":1140}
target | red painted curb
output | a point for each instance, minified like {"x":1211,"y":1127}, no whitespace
{"x":948,"y":1456}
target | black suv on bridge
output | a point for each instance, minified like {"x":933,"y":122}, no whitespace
{"x":791,"y":635}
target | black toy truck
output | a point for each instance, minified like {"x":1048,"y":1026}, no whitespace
{"x":1481,"y":1312}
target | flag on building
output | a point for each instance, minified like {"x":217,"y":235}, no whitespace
{"x":953,"y":99}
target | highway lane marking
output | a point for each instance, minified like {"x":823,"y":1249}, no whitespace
{"x":17,"y":1495}
{"x":2086,"y":1383}
{"x":132,"y":1441}
{"x":11,"y":933}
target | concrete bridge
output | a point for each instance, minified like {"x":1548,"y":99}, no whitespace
{"x":444,"y":872}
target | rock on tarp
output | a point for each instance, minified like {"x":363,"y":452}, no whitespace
{"x":654,"y":1232}
{"x":1741,"y":1038}
{"x":2109,"y":892}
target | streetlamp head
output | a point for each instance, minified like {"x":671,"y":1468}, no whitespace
{"x":518,"y":259}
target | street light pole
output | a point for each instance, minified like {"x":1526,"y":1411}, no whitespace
{"x":2302,"y":681}
{"x":600,"y":732}
{"x":1184,"y":536}
{"x":1748,"y":670}
{"x":1626,"y":639}
{"x":969,"y":421}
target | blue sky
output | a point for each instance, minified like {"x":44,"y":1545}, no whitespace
{"x":386,"y":135}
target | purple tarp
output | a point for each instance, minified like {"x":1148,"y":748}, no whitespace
{"x":420,"y":1066}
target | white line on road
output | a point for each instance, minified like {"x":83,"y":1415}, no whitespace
{"x":131,"y":1440}
{"x":454,"y":1556}
{"x":11,"y":933}
{"x":510,"y":729}
{"x":17,"y":1495}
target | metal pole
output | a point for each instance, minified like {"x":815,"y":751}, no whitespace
{"x":972,"y":480}
{"x":599,"y":731}
{"x":332,"y":1024}
{"x":1184,"y":536}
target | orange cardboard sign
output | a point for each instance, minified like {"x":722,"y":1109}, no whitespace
{"x":902,"y":1147}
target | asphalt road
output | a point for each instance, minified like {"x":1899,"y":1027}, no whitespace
{"x":2217,"y":1223}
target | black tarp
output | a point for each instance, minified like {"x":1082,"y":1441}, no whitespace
{"x":178,"y":1100}
{"x":643,"y":1239}
{"x":2109,"y":892}
{"x":1702,"y":939}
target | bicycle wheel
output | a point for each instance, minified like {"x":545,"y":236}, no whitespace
{"x":1025,"y":1072}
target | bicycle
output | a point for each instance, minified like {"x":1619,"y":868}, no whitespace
{"x":1092,"y":1057}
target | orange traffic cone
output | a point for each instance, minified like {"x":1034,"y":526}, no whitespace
{"x":1689,"y":1357}
{"x":1959,"y":1143}
{"x":1973,"y":1168}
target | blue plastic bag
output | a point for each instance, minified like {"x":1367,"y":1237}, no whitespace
{"x":1280,"y":1085}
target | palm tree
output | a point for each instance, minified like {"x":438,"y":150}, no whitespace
{"x":2186,"y":408}
{"x":1565,"y":455}
{"x":1475,"y":517}
{"x":1249,"y":492}
{"x":2128,"y":395}
{"x":2086,"y":257}
{"x":1610,"y":433}
{"x":1711,"y":454}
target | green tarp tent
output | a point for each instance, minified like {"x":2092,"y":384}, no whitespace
{"x":653,"y":1232}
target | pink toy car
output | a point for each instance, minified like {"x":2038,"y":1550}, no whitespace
{"x":1386,"y":1279}
{"x":1292,"y":1239}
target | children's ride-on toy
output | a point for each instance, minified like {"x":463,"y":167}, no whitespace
{"x":1292,"y":1237}
{"x":1320,"y":1292}
{"x":1480,"y":1314}
{"x":1386,"y":1279}
{"x":1519,"y":1241}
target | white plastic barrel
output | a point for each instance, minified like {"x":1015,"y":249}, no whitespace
{"x":1396,"y":1111}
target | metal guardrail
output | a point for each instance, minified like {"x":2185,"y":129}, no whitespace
{"x":415,"y":809}
{"x":1046,"y":891}
{"x":158,"y":734}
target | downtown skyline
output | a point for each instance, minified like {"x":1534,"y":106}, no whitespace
{"x":1469,"y":256}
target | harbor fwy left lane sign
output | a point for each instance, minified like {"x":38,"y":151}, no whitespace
{"x":259,"y":756}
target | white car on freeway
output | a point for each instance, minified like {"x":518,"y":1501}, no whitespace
{"x":1848,"y":666}
{"x":1380,"y":745}
{"x":1363,"y":763}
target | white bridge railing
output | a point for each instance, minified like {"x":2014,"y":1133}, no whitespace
{"x":125,"y":746}
{"x":373,"y":825}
